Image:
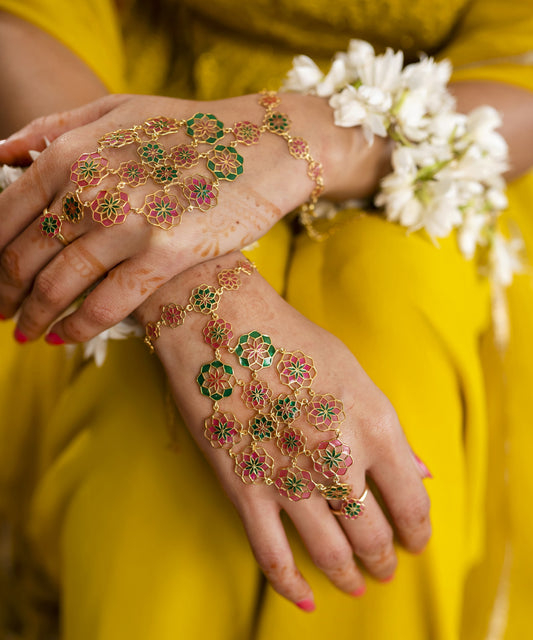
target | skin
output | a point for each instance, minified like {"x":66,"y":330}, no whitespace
{"x":147,"y":269}
{"x":371,"y":429}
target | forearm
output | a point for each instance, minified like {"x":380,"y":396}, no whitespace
{"x":516,"y":107}
{"x":38,"y":75}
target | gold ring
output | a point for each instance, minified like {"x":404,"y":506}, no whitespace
{"x":352,"y":508}
{"x":50,"y":226}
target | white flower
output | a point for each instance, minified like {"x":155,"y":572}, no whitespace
{"x":382,"y":72}
{"x":441,"y":213}
{"x":504,"y":259}
{"x":8,"y":175}
{"x":411,"y":116}
{"x":470,"y":234}
{"x":97,"y":347}
{"x":480,"y":129}
{"x":430,"y":79}
{"x":335,"y":80}
{"x":365,"y":106}
{"x":304,"y":76}
{"x":397,"y":190}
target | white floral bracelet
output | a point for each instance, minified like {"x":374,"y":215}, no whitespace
{"x":447,"y":166}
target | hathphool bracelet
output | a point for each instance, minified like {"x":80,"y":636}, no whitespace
{"x":187,"y":176}
{"x":273,"y":424}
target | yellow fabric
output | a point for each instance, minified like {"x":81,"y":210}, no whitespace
{"x":89,"y":29}
{"x":104,"y":505}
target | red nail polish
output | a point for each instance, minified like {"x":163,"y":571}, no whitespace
{"x":53,"y":338}
{"x":306,"y":605}
{"x":426,"y":473}
{"x":2,"y":316}
{"x":19,"y":336}
{"x":357,"y":593}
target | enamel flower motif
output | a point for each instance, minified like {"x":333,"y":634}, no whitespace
{"x":223,"y":430}
{"x":89,"y":170}
{"x":253,"y":465}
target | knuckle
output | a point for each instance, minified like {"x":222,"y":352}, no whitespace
{"x":332,"y":558}
{"x":379,"y":545}
{"x":47,"y":289}
{"x":99,"y":315}
{"x":9,"y":264}
{"x":416,"y":514}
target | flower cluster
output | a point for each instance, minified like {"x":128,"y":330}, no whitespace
{"x":447,"y":166}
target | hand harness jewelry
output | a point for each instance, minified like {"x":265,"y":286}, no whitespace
{"x":271,"y":427}
{"x":186,"y":176}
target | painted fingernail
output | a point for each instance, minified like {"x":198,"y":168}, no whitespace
{"x":426,"y":473}
{"x":19,"y":336}
{"x":389,"y":579}
{"x":358,"y":592}
{"x":306,"y":605}
{"x":53,"y":338}
{"x":2,"y":316}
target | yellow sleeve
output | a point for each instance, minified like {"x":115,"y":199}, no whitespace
{"x":89,"y":28}
{"x":494,"y":41}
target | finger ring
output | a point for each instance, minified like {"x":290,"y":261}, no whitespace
{"x":50,"y":226}
{"x":352,"y":508}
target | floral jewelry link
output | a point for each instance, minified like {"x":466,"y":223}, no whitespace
{"x":203,"y":299}
{"x":279,"y":123}
{"x":270,"y":441}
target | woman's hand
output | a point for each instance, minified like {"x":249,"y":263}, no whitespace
{"x":40,"y":276}
{"x":371,"y":429}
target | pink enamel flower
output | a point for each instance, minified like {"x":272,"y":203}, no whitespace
{"x":200,"y":193}
{"x":298,"y":147}
{"x":291,"y":442}
{"x":119,"y":138}
{"x":294,"y":483}
{"x":253,"y":465}
{"x":110,"y":208}
{"x":218,"y":333}
{"x":162,"y":210}
{"x":332,"y":458}
{"x":296,"y":370}
{"x":325,"y":412}
{"x":256,"y":395}
{"x":246,"y":132}
{"x":133,"y":173}
{"x":229,"y":280}
{"x":184,"y":156}
{"x":223,"y":430}
{"x":173,"y":315}
{"x":89,"y":170}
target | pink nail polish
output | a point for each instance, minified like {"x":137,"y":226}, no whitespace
{"x":306,"y":605}
{"x":53,"y":338}
{"x":357,"y":593}
{"x":19,"y":336}
{"x":426,"y":473}
{"x":386,"y":580}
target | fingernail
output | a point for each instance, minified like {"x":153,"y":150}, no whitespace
{"x":306,"y":605}
{"x":389,"y":579}
{"x":426,"y":473}
{"x":53,"y":338}
{"x":358,"y":592}
{"x":2,"y":316}
{"x":19,"y":336}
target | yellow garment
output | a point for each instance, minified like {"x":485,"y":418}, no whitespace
{"x":104,"y":507}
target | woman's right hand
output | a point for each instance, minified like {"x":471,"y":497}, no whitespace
{"x":41,"y":278}
{"x":380,"y":452}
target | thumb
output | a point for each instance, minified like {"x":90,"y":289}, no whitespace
{"x":33,"y":137}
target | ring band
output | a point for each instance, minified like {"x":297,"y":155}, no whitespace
{"x":50,"y":226}
{"x":62,"y":239}
{"x":352,"y":508}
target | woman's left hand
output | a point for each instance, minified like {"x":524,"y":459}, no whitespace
{"x":42,"y":278}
